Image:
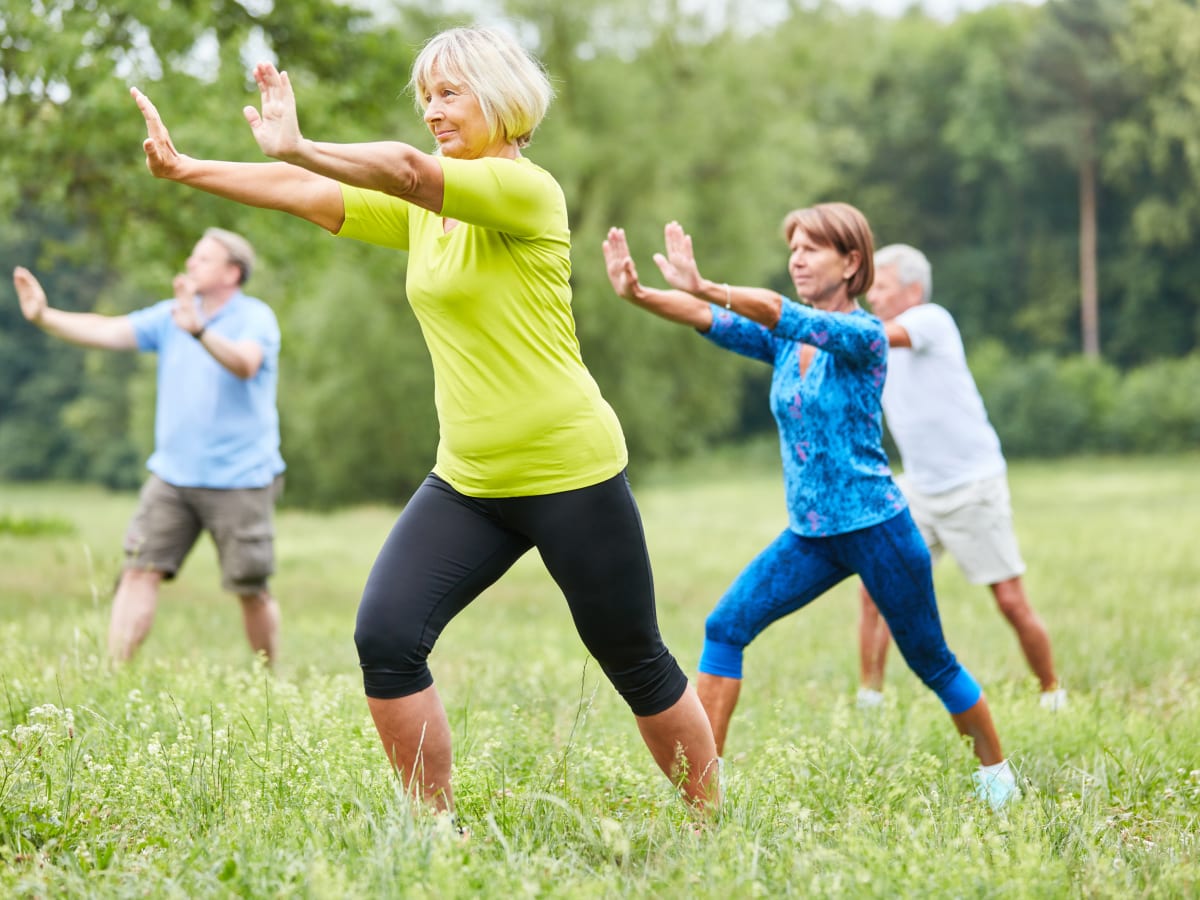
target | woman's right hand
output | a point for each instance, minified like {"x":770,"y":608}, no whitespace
{"x":162,"y":159}
{"x":276,"y":128}
{"x":679,"y":265}
{"x":618,"y":262}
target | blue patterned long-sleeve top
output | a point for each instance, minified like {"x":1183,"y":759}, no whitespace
{"x":835,"y":470}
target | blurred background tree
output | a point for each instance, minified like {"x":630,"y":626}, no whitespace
{"x":1013,"y":144}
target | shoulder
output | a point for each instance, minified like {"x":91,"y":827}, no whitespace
{"x":928,"y":319}
{"x":253,"y":312}
{"x":147,"y":316}
{"x":930,"y":313}
{"x":514,"y":174}
{"x":253,"y":305}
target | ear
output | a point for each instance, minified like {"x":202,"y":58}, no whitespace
{"x":853,"y":261}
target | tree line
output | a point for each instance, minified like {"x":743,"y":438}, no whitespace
{"x":1046,"y":158}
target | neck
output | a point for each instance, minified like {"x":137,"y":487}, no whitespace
{"x":833,"y":299}
{"x":212,"y":301}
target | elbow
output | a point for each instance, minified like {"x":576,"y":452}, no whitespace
{"x":246,"y":369}
{"x":403,"y":178}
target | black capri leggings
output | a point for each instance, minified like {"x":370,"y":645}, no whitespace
{"x":446,"y":548}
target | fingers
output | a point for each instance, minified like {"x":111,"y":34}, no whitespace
{"x":678,"y":241}
{"x":161,"y":154}
{"x":30,"y":294}
{"x":154,"y":122}
{"x":266,"y":76}
{"x":272,"y":84}
{"x":615,"y":246}
{"x":26,"y":284}
{"x":183,"y":285}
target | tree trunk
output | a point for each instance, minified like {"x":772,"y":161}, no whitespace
{"x":1089,"y":309}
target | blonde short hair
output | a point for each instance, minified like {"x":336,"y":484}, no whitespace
{"x":241,"y":254}
{"x":510,"y":85}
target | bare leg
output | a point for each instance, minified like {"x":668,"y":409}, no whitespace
{"x":719,"y":696}
{"x":260,"y":614}
{"x":416,"y":738}
{"x":977,"y":724}
{"x":133,"y":610}
{"x":1031,"y":630}
{"x":681,"y":742}
{"x":874,"y":638}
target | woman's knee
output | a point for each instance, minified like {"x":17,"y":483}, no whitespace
{"x":392,"y":653}
{"x":722,"y":628}
{"x":650,"y":686}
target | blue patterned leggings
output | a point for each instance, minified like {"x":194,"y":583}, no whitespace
{"x":893,"y":562}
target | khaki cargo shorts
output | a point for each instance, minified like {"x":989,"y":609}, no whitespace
{"x":169,"y":519}
{"x":974,"y":524}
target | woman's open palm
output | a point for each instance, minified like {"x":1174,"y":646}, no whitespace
{"x":276,"y":128}
{"x":678,"y":266}
{"x":162,"y":159}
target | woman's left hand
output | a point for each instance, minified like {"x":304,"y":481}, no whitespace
{"x":277,"y":128}
{"x":679,"y":265}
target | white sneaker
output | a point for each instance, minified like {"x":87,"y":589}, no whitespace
{"x":869,"y":699}
{"x":996,"y":784}
{"x":1053,"y":701}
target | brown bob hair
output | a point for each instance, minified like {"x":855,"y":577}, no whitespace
{"x":846,"y":230}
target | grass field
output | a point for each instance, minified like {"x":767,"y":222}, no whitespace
{"x":194,"y":773}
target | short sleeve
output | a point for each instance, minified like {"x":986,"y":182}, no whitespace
{"x":149,"y":323}
{"x":375,"y":217}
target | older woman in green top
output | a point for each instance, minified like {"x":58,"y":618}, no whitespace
{"x":530,"y":454}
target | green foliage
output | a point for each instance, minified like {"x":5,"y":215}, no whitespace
{"x":31,"y":526}
{"x":1157,"y":407}
{"x":192,"y":772}
{"x":1043,"y":406}
{"x":356,"y":388}
{"x":959,"y":137}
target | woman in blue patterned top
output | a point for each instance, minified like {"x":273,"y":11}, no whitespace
{"x":845,"y":514}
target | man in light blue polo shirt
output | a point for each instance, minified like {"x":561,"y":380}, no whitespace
{"x":216,"y":464}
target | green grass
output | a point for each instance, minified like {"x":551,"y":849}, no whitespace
{"x":193,"y":773}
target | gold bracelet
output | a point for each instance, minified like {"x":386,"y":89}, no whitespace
{"x":728,"y":298}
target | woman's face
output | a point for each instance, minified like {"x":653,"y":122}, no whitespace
{"x":456,"y":120}
{"x":818,"y":272}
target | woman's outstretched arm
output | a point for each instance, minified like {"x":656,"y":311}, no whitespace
{"x":679,"y":268}
{"x":674,"y":306}
{"x":391,"y":167}
{"x":275,"y":185}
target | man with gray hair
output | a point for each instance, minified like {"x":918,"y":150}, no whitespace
{"x":216,"y":464}
{"x":954,"y":471}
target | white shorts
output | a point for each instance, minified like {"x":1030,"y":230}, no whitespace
{"x":973,"y":523}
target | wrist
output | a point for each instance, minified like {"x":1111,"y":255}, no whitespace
{"x":297,"y":154}
{"x":715,"y":292}
{"x":199,"y":333}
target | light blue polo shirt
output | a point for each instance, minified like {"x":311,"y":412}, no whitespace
{"x":213,"y":429}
